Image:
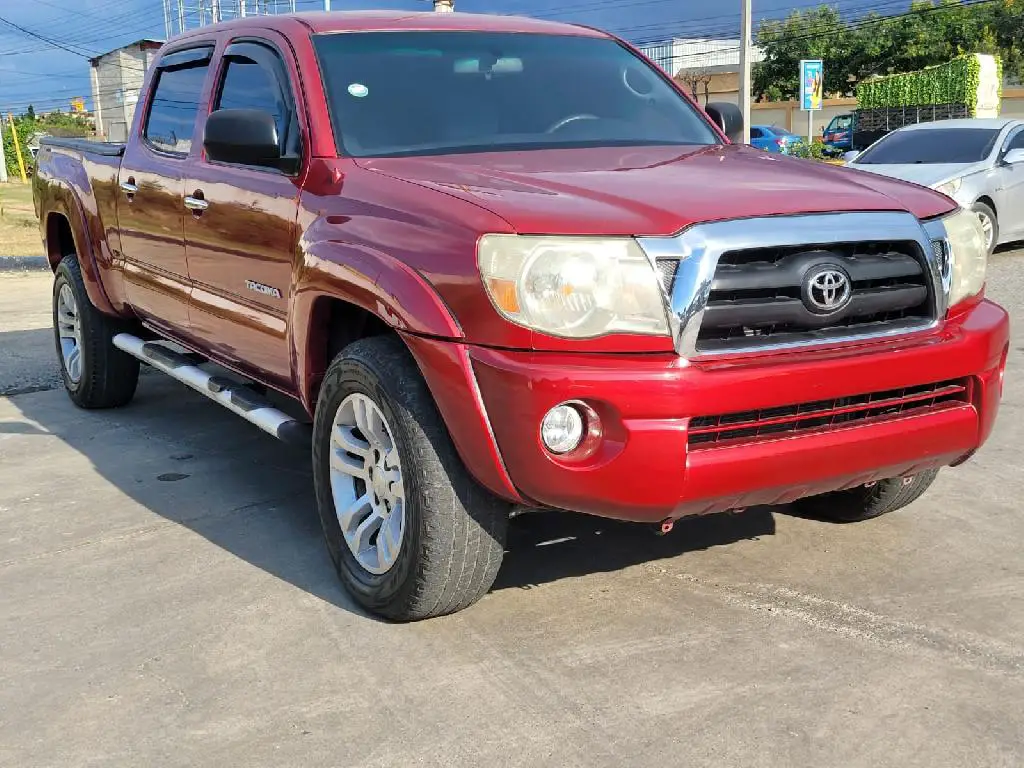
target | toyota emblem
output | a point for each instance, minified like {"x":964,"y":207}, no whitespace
{"x":827,"y":290}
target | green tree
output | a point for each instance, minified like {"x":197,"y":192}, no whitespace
{"x":818,"y":33}
{"x":30,"y":113}
{"x":928,"y":33}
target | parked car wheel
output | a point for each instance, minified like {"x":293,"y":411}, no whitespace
{"x":989,"y":223}
{"x":867,"y":502}
{"x":411,"y":533}
{"x":96,"y":374}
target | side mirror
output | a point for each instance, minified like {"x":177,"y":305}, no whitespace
{"x":850,"y":156}
{"x":243,"y":136}
{"x":728,"y":118}
{"x":1013,"y":157}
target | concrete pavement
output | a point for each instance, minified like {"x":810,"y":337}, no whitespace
{"x":165,"y":600}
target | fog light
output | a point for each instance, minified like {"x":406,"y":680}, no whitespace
{"x":562,"y":429}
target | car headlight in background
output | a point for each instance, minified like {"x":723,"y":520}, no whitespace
{"x":968,"y":255}
{"x":575,"y":287}
{"x":950,"y":188}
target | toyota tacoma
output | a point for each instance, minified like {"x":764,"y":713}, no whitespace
{"x":500,"y":263}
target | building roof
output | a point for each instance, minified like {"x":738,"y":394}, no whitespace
{"x":144,"y":42}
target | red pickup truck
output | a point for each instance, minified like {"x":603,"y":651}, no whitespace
{"x":499,"y":261}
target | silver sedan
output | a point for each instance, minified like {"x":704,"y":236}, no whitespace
{"x":978,"y":162}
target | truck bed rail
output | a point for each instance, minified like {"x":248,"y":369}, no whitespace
{"x":85,"y":146}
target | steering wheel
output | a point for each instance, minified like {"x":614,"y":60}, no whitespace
{"x":560,"y":124}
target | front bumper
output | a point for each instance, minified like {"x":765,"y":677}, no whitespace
{"x":644,"y":467}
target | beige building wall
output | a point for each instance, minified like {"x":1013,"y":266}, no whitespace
{"x":116,"y":84}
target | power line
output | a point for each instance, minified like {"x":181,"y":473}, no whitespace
{"x":840,"y":28}
{"x":47,"y":40}
{"x":730,"y":29}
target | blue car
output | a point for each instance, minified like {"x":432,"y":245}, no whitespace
{"x":771,"y":138}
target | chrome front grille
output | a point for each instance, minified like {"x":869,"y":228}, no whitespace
{"x":767,"y":295}
{"x":760,"y":284}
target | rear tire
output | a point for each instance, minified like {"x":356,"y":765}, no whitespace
{"x":444,"y":553}
{"x":867,"y":502}
{"x":96,"y":374}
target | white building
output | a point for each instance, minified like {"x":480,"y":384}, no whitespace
{"x":116,"y":83}
{"x":707,"y":55}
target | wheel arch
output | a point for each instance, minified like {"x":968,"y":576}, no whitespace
{"x":357,"y":294}
{"x":346,"y":292}
{"x":990,"y":203}
{"x":66,"y":231}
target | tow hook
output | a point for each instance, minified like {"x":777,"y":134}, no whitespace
{"x":666,"y":526}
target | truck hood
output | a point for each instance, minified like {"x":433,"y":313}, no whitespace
{"x":925,"y":174}
{"x":651,"y":191}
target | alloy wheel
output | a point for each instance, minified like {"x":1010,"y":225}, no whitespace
{"x":367,"y":484}
{"x":69,"y":330}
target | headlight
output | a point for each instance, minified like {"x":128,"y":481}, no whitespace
{"x":575,"y":287}
{"x":968,"y":255}
{"x":950,"y":188}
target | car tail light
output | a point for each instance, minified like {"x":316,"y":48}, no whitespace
{"x":780,"y":142}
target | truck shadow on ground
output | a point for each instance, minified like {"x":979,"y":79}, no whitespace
{"x":547,"y":546}
{"x":192,"y":463}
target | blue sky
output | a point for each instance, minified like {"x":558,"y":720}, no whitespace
{"x":33,"y":72}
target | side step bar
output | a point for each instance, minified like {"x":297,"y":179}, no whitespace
{"x":234,"y":396}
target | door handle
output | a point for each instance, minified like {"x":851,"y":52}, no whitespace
{"x":196,"y":204}
{"x":129,"y":187}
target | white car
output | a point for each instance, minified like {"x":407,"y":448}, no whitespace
{"x":977,"y":162}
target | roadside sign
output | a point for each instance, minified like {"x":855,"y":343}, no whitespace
{"x":812,"y":77}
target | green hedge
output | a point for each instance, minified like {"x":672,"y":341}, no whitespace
{"x":955,"y":82}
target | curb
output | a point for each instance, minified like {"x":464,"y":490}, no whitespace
{"x":23,"y":263}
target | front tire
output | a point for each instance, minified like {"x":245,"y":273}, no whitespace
{"x":989,"y":223}
{"x":411,"y":533}
{"x":96,"y":374}
{"x":867,"y":502}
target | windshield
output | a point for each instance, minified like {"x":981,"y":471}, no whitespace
{"x":932,"y":145}
{"x":418,"y":93}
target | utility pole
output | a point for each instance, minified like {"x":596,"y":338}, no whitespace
{"x":167,"y":19}
{"x":215,"y":10}
{"x":17,"y":149}
{"x":745,"y":55}
{"x":327,"y":5}
{"x":3,"y":159}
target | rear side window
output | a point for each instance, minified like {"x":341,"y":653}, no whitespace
{"x":756,"y":133}
{"x":175,"y":105}
{"x":1016,"y":141}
